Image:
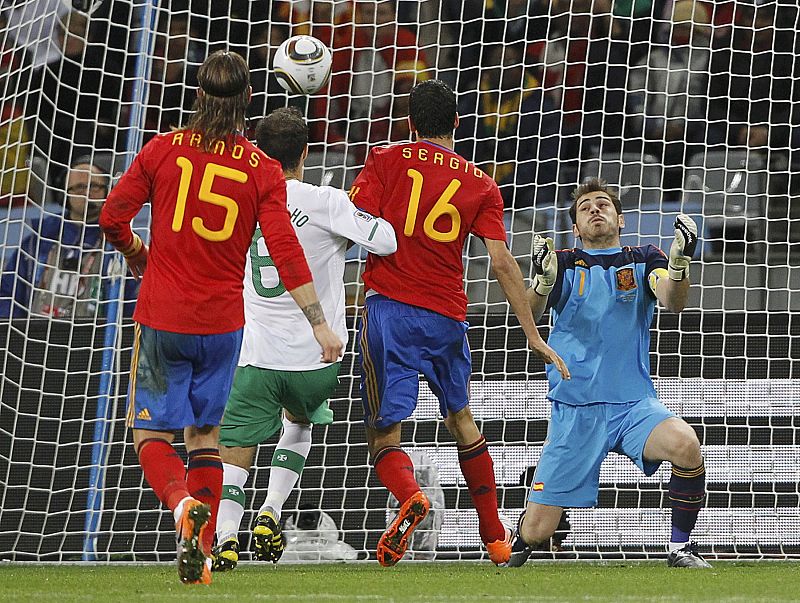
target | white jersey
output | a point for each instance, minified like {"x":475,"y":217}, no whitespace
{"x":277,"y":334}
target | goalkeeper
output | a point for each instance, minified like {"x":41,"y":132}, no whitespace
{"x":602,"y":299}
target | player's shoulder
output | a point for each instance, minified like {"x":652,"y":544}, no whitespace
{"x":314,"y":193}
{"x":641,"y":254}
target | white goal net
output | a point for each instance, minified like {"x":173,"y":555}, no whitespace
{"x":686,"y":106}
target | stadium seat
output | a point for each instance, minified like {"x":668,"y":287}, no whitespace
{"x":637,"y":176}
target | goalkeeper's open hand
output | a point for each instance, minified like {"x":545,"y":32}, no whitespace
{"x":682,"y":249}
{"x":545,"y":264}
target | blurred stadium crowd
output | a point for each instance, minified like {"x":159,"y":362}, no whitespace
{"x":544,"y":86}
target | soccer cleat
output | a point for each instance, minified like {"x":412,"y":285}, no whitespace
{"x":500,"y":550}
{"x":688,"y":556}
{"x":192,"y":566}
{"x":225,"y":556}
{"x":394,"y":541}
{"x":269,"y":541}
{"x":520,"y":550}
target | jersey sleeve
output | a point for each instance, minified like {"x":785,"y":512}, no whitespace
{"x":367,"y":190}
{"x":488,"y":223}
{"x":375,"y":235}
{"x":279,"y":235}
{"x":127,"y":198}
{"x":655,"y":266}
{"x":556,"y":299}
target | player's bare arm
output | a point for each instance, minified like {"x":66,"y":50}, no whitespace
{"x":509,"y":277}
{"x":672,"y":288}
{"x":305,"y":296}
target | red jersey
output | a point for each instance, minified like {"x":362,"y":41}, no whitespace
{"x":434,"y":198}
{"x":205,"y":206}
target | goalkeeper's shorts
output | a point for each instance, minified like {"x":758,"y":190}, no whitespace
{"x":578,"y":440}
{"x":255,"y":407}
{"x":397,"y":342}
{"x":178,"y":380}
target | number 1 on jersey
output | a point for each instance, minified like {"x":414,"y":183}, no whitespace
{"x":441,"y":207}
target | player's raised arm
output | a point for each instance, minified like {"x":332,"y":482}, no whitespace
{"x":375,"y":235}
{"x":673,"y":292}
{"x":508,"y":275}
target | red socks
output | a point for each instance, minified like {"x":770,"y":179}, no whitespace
{"x":204,"y":481}
{"x":396,"y":472}
{"x":478,"y":470}
{"x":164,"y":470}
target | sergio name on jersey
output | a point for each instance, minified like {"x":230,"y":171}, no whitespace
{"x":277,"y":334}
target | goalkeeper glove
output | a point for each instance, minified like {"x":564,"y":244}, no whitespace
{"x":682,"y":249}
{"x":545,"y":264}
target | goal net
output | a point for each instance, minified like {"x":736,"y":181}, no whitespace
{"x":684,"y":106}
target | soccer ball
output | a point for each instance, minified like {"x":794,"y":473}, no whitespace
{"x":302,"y":64}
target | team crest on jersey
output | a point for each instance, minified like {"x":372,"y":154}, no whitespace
{"x":625,"y":279}
{"x":363,"y":215}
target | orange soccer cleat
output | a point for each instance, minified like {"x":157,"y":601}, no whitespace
{"x":394,"y":542}
{"x":192,"y":566}
{"x":500,"y":550}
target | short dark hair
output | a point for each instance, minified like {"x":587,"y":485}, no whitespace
{"x":283,"y":135}
{"x":432,"y":107}
{"x":593,"y":185}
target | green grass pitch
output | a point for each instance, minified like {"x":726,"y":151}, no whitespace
{"x":770,"y":582}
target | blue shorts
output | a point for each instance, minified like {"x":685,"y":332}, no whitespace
{"x":578,"y":440}
{"x":178,"y":380}
{"x":398,"y":342}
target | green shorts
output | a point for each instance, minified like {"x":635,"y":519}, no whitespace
{"x":254,"y":412}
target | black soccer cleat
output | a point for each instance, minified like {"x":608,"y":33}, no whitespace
{"x":225,"y":556}
{"x":269,"y":542}
{"x":688,"y":556}
{"x":520,"y":550}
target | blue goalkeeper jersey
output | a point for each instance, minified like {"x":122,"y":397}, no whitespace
{"x":602,"y":306}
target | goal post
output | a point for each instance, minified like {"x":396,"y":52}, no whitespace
{"x":549,"y":93}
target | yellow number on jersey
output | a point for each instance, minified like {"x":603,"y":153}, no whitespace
{"x":206,"y":195}
{"x":441,"y":208}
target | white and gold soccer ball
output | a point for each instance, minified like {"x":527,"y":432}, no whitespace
{"x":302,"y":64}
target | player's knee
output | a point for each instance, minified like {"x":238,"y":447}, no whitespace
{"x":462,"y":426}
{"x":686,"y":448}
{"x":536,"y":529}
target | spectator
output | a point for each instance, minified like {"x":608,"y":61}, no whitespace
{"x":585,"y":68}
{"x":76,"y":100}
{"x":387,"y":64}
{"x":178,"y":56}
{"x":34,"y":26}
{"x":61,"y":267}
{"x":14,"y":137}
{"x":511,"y":130}
{"x":752,"y":81}
{"x":668,"y":94}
